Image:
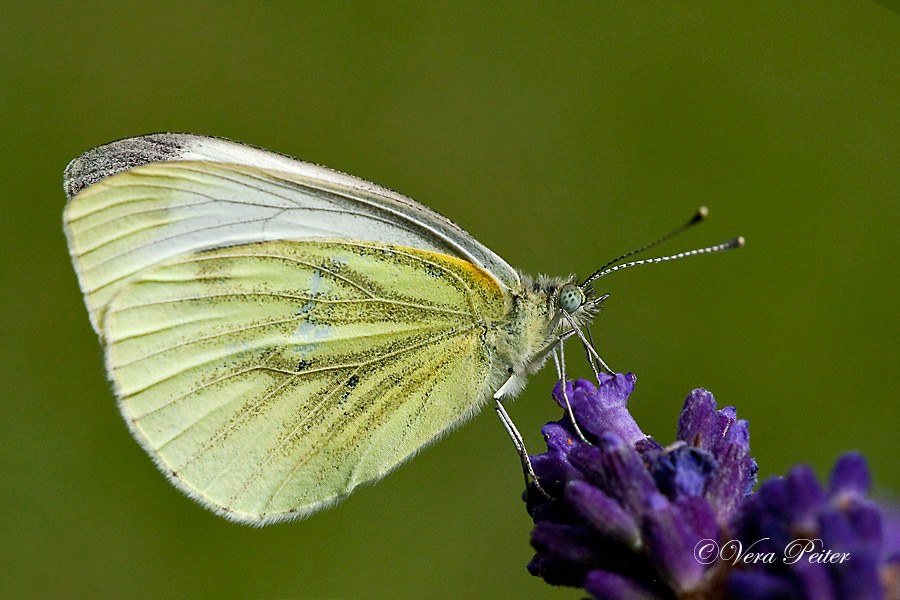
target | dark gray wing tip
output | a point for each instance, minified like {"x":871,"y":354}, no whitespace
{"x":107,"y":160}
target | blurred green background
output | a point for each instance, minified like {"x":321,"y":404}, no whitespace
{"x":559,"y":135}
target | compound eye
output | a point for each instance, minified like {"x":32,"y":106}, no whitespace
{"x":570,"y":297}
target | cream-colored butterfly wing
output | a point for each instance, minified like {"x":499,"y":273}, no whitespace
{"x":269,"y":380}
{"x":278,"y":333}
{"x":178,"y":193}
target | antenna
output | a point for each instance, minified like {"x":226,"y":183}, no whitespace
{"x":730,"y":244}
{"x":698,"y":217}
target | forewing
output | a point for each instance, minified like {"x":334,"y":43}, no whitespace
{"x":138,"y":202}
{"x":268,"y":380}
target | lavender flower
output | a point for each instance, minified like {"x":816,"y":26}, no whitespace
{"x":632,"y":519}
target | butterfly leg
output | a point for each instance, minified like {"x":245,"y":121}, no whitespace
{"x":591,"y":356}
{"x":595,"y":366}
{"x":588,"y":347}
{"x":519,"y":443}
{"x":559,"y":358}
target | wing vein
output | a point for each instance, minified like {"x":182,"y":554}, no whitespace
{"x":144,"y":246}
{"x":469,"y":295}
{"x":298,"y":297}
{"x":221,"y":356}
{"x":313,"y":266}
{"x":306,"y":459}
{"x":407,"y":217}
{"x":227,"y":377}
{"x":244,"y":414}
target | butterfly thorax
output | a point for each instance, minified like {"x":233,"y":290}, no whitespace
{"x":528,"y":330}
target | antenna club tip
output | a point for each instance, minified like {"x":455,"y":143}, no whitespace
{"x":740,"y":241}
{"x":702,"y":212}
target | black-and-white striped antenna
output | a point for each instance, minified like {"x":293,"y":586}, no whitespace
{"x":729,"y":245}
{"x":698,"y":217}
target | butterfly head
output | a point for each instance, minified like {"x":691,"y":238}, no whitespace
{"x":580,"y":301}
{"x":574,"y":304}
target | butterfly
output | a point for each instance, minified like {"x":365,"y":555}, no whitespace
{"x":278,"y":333}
